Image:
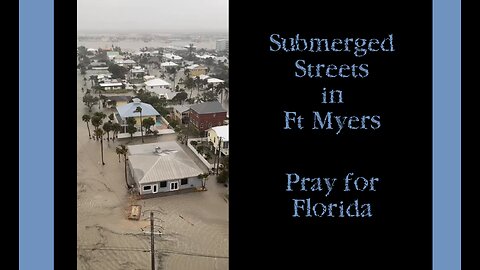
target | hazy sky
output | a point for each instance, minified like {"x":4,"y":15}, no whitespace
{"x":157,"y":15}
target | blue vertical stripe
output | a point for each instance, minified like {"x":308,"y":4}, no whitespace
{"x":36,"y":134}
{"x":446,"y":134}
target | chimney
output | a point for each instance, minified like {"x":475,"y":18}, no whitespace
{"x":136,"y":101}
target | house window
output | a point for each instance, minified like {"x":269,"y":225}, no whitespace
{"x":184,"y":181}
{"x":146,"y":188}
{"x":225,"y":145}
{"x":163,"y":184}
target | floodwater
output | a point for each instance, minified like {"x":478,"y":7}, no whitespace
{"x":135,"y":44}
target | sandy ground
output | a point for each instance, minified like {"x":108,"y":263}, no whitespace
{"x":193,"y":226}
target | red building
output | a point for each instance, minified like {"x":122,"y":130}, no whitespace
{"x":206,"y":115}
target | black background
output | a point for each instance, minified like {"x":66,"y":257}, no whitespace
{"x":262,"y":84}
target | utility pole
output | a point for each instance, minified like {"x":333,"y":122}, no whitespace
{"x":188,"y":129}
{"x":152,"y":241}
{"x":219,"y":152}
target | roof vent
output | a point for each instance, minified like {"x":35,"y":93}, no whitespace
{"x":159,"y":152}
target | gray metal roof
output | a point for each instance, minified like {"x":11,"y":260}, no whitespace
{"x":170,"y":163}
{"x":208,"y":107}
{"x":181,"y":108}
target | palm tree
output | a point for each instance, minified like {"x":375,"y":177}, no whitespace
{"x":190,"y":84}
{"x":99,"y":133}
{"x":116,"y":128}
{"x":96,"y":122}
{"x":123,"y":150}
{"x":131,"y":129}
{"x":191,"y":48}
{"x":100,"y":115}
{"x":92,"y":80}
{"x":198,"y":82}
{"x":107,"y":127}
{"x":173,"y":71}
{"x":219,"y":90}
{"x":139,"y":110}
{"x":86,"y":118}
{"x":186,"y":71}
{"x":204,"y":177}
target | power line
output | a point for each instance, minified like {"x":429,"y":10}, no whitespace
{"x":127,"y":249}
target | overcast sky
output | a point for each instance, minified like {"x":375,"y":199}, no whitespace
{"x":156,"y":15}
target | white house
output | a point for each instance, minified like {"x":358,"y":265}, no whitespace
{"x":214,"y":81}
{"x":137,"y":72}
{"x":156,"y":84}
{"x":218,"y":136}
{"x":112,"y":54}
{"x":204,"y":56}
{"x":172,"y":57}
{"x":112,"y":85}
{"x":162,"y":167}
{"x":166,"y":93}
{"x":168,"y":64}
{"x":128,"y":110}
{"x":125,"y":62}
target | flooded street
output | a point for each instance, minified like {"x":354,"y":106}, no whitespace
{"x":193,"y":226}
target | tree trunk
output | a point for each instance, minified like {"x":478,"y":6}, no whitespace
{"x":101,"y":148}
{"x":126,"y":178}
{"x":88,"y":127}
{"x":141,"y":126}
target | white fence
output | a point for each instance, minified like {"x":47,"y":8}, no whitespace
{"x":204,"y":161}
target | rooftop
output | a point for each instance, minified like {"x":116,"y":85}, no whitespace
{"x":214,"y":80}
{"x":221,"y":131}
{"x":110,"y":84}
{"x":167,"y":93}
{"x":181,"y":108}
{"x":119,"y":98}
{"x":196,"y":66}
{"x":208,"y":107}
{"x":168,"y":64}
{"x":161,"y":161}
{"x":127,"y":110}
{"x":156,"y":82}
{"x":172,"y":56}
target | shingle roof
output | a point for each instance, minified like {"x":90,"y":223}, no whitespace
{"x":208,"y":107}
